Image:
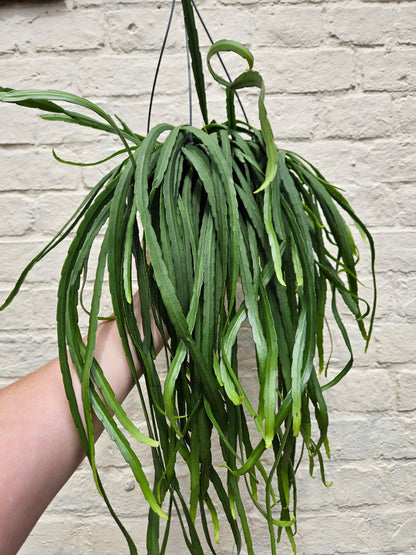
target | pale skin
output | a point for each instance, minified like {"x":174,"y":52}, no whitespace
{"x":39,"y":445}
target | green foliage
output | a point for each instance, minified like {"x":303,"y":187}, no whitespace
{"x":187,"y":218}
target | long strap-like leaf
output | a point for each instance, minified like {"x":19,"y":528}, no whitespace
{"x":196,"y":58}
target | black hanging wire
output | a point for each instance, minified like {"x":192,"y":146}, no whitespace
{"x":219,"y":57}
{"x":158,"y":65}
{"x":189,"y":67}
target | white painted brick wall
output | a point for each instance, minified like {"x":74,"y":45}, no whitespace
{"x":341,"y":82}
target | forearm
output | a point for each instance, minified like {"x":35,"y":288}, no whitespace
{"x":39,"y":444}
{"x":39,"y":450}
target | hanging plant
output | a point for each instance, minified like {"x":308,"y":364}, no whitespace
{"x":186,"y":217}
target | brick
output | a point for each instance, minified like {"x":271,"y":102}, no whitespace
{"x":353,"y":485}
{"x":314,"y":70}
{"x":291,"y":27}
{"x":376,"y":205}
{"x":24,"y":72}
{"x":51,"y":32}
{"x":38,"y":307}
{"x":284,"y":113}
{"x":405,"y":301}
{"x":18,"y":218}
{"x":93,"y":535}
{"x":128,"y":76}
{"x":392,"y":162}
{"x":356,"y":117}
{"x":363,"y":162}
{"x":132,"y":29}
{"x":405,"y":23}
{"x":352,"y":537}
{"x":391,"y":340}
{"x":82,"y":497}
{"x":400,"y":477}
{"x":391,"y":530}
{"x":362,"y":390}
{"x":53,"y":210}
{"x":16,"y":255}
{"x":405,"y":195}
{"x":135,"y":111}
{"x":375,"y":436}
{"x":67,"y":31}
{"x":389,"y":70}
{"x":35,"y":169}
{"x":340,"y":161}
{"x":396,"y":248}
{"x":13,"y":37}
{"x":406,"y":382}
{"x":351,"y":24}
{"x":404,"y":115}
{"x":396,"y":298}
{"x":24,"y":352}
{"x":17,"y":125}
